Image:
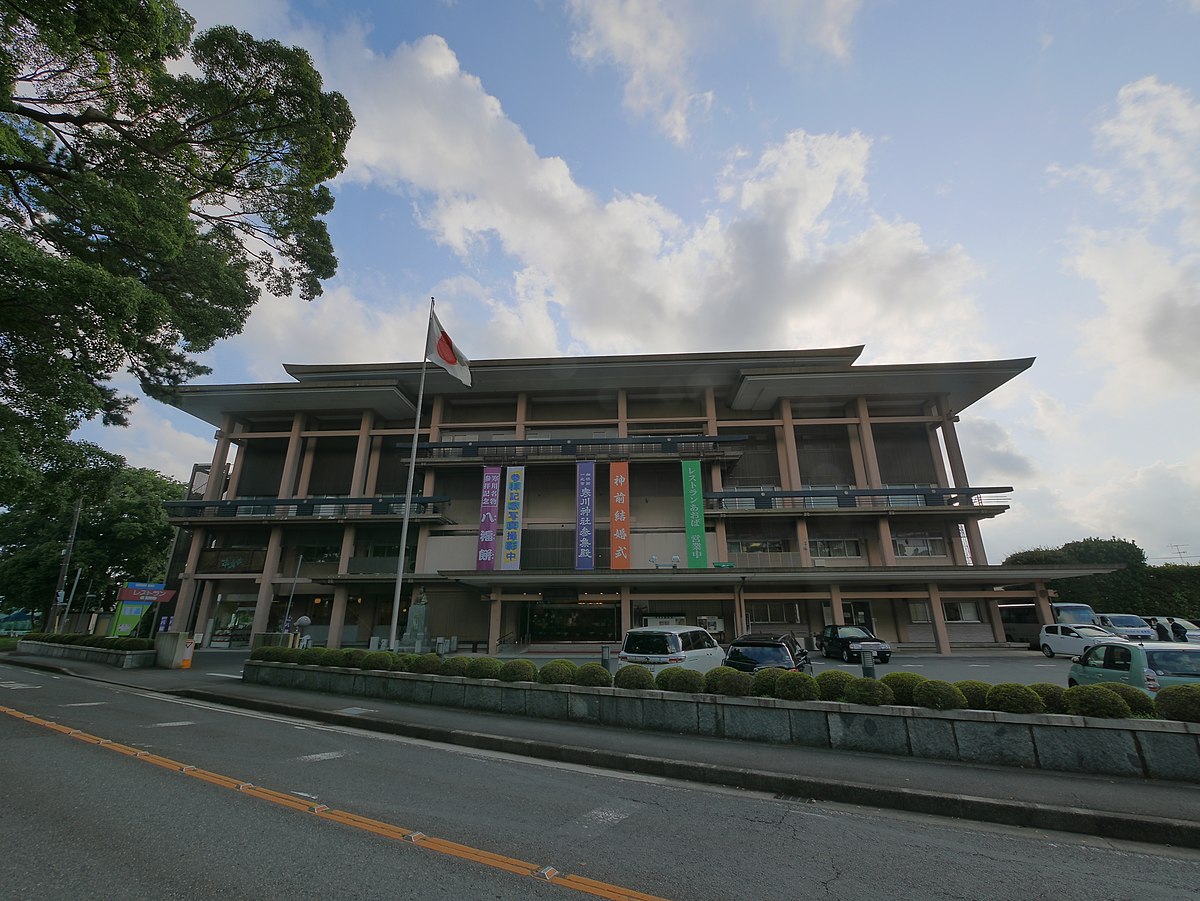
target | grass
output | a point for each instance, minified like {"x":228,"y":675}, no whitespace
{"x":8,"y":644}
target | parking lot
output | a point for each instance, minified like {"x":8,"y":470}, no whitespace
{"x":1006,"y":665}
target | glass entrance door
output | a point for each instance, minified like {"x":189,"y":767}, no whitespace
{"x":574,"y":622}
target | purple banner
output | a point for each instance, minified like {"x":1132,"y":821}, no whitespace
{"x":585,"y":515}
{"x":489,"y":518}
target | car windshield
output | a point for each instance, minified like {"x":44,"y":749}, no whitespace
{"x":1092,"y":631}
{"x":1128,"y":621}
{"x":651,"y":643}
{"x":764,"y":655}
{"x":854,"y":632}
{"x":1174,"y":663}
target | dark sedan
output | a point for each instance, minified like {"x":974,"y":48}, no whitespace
{"x":850,"y":642}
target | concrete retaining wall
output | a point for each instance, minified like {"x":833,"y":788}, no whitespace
{"x":119,"y":659}
{"x":1148,"y":748}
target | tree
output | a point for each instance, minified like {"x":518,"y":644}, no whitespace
{"x":140,"y":207}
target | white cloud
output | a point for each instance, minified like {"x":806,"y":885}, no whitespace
{"x":823,"y":24}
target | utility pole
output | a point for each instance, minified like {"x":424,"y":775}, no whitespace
{"x":60,"y":589}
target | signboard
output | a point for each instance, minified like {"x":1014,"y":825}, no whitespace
{"x":618,"y":515}
{"x":585,"y":515}
{"x":489,"y":519}
{"x":514,"y":503}
{"x":150,"y":595}
{"x":693,"y":515}
{"x":127,"y":616}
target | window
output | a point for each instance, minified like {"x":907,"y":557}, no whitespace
{"x":756,"y":545}
{"x":918,"y":612}
{"x":835,"y":547}
{"x":961,"y":611}
{"x":1118,"y":658}
{"x":767,"y":613}
{"x":919,"y":544}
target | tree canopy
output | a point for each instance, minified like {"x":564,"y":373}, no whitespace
{"x":151,"y":183}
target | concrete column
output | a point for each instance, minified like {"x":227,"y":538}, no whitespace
{"x":291,"y":463}
{"x":337,"y":616}
{"x":216,"y":471}
{"x":306,"y":466}
{"x":207,"y":594}
{"x":958,"y":470}
{"x":495,"y":611}
{"x":266,"y":587}
{"x":436,"y":412}
{"x":993,"y":613}
{"x":940,"y":636}
{"x":806,"y":559}
{"x":362,"y":454}
{"x":710,"y":410}
{"x":187,"y":584}
{"x":887,"y":553}
{"x":626,"y":610}
{"x":622,"y":414}
{"x":870,"y":460}
{"x":236,"y":476}
{"x":861,"y":479}
{"x":522,"y":415}
{"x":835,"y":605}
{"x":900,"y":617}
{"x":373,"y":466}
{"x":789,"y":458}
{"x":1042,"y":600}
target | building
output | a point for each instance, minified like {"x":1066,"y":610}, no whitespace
{"x":566,"y":500}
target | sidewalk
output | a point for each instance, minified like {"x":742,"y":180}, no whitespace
{"x":1142,"y":810}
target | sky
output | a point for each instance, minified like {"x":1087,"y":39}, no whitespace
{"x":938,"y":181}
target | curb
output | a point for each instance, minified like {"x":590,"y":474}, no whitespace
{"x":1103,"y":824}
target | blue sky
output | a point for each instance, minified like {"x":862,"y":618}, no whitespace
{"x":935,"y":180}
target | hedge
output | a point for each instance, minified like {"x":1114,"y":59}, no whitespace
{"x":902,"y":685}
{"x":1011,"y":697}
{"x":633,"y":676}
{"x":1095,"y":701}
{"x":869,"y":692}
{"x":1179,"y":702}
{"x":937,"y":694}
{"x":975,"y":692}
{"x":833,"y":684}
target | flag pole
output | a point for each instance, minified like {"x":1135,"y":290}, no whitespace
{"x":412,"y":468}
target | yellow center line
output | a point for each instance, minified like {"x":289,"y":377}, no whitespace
{"x":377,"y":827}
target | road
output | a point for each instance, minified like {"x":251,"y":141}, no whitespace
{"x":82,"y":819}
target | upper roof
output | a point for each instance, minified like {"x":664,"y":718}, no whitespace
{"x":751,"y":380}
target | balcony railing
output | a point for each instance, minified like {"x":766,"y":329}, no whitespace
{"x":855,"y":499}
{"x":683,"y":447}
{"x":306,"y":508}
{"x":232,"y":560}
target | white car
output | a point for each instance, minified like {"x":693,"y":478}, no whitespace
{"x":1126,"y":625}
{"x":1193,"y":631}
{"x":657,"y":647}
{"x":1071,"y":641}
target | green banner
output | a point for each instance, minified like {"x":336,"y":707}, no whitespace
{"x":693,"y":515}
{"x":128,"y":615}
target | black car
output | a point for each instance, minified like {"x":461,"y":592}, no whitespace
{"x":848,"y":642}
{"x":760,"y":650}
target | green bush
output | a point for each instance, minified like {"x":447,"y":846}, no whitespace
{"x":937,"y":694}
{"x":1011,"y":697}
{"x":735,"y":684}
{"x":454,"y":666}
{"x":763,"y":682}
{"x":484,"y":668}
{"x":833,"y":684}
{"x":403,"y":663}
{"x":272,"y":654}
{"x":975,"y":692}
{"x":689,"y":681}
{"x":666,"y":679}
{"x":518,"y":671}
{"x":634,"y":676}
{"x":593,"y":675}
{"x":262,"y":653}
{"x":713,"y":677}
{"x":1140,"y":703}
{"x":1051,"y":695}
{"x":311,"y":656}
{"x":353,"y":656}
{"x":376,"y":660}
{"x":429,"y":664}
{"x":870,"y":692}
{"x":557,"y":672}
{"x":1095,"y":701}
{"x":797,"y":686}
{"x":902,"y":685}
{"x":291,"y":655}
{"x":1179,"y":702}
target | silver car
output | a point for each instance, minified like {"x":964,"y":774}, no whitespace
{"x":657,"y":647}
{"x":1071,"y":641}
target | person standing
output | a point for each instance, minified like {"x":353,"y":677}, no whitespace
{"x":1164,"y":634}
{"x":1177,"y":629}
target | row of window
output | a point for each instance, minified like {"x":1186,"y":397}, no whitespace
{"x":918,"y":612}
{"x":922,"y":544}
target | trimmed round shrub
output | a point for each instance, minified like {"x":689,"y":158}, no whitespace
{"x":403,"y":663}
{"x":484,"y":668}
{"x":261,"y":653}
{"x":518,"y":671}
{"x":797,"y":686}
{"x":1140,"y":704}
{"x":1095,"y":701}
{"x":454,"y":666}
{"x":689,"y":681}
{"x":353,"y":656}
{"x":714,"y":676}
{"x":975,"y":692}
{"x":634,"y":676}
{"x":593,"y":675}
{"x":557,"y":672}
{"x":311,"y":656}
{"x":1179,"y":702}
{"x":1051,"y":695}
{"x":833,"y":684}
{"x":376,"y":660}
{"x":735,"y":684}
{"x":902,"y":684}
{"x":870,"y":692}
{"x":937,"y":694}
{"x":274,"y":655}
{"x":429,"y":664}
{"x":1011,"y":697}
{"x":290,"y":655}
{"x":332,"y":657}
{"x":763,"y":682}
{"x":666,"y":679}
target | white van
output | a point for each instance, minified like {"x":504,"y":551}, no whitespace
{"x":1126,"y":625}
{"x":657,"y":647}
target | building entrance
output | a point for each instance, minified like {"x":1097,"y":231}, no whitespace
{"x":574,"y":622}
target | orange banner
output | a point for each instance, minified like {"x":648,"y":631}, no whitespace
{"x":618,"y":512}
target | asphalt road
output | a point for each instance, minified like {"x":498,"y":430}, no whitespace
{"x":80,"y":819}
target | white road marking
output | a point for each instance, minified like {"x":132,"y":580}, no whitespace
{"x":914,"y":665}
{"x":328,"y":755}
{"x":306,"y":795}
{"x":225,"y":675}
{"x":167,"y":725}
{"x":982,"y":665}
{"x":356,"y":711}
{"x":87,"y":704}
{"x":17,"y":685}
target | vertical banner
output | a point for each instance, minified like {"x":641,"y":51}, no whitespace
{"x":585,"y":515}
{"x":693,"y":515}
{"x":489,"y":519}
{"x":514,"y":501}
{"x":618,"y":513}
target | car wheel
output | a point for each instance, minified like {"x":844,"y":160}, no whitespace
{"x":885,"y":659}
{"x":825,"y":651}
{"x":846,"y":655}
{"x":1046,"y":650}
{"x":1071,"y":683}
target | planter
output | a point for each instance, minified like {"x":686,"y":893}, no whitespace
{"x":119,"y":659}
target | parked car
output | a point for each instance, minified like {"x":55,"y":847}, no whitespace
{"x":761,"y":650}
{"x":657,"y":647}
{"x":1147,"y":667}
{"x":1072,"y":640}
{"x":848,"y":642}
{"x":1126,"y":625}
{"x":1192,"y":630}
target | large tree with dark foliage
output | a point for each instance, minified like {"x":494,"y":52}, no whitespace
{"x":150,"y":182}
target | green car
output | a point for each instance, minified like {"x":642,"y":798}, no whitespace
{"x":1148,"y":666}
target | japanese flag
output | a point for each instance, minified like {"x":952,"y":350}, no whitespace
{"x":440,"y":349}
